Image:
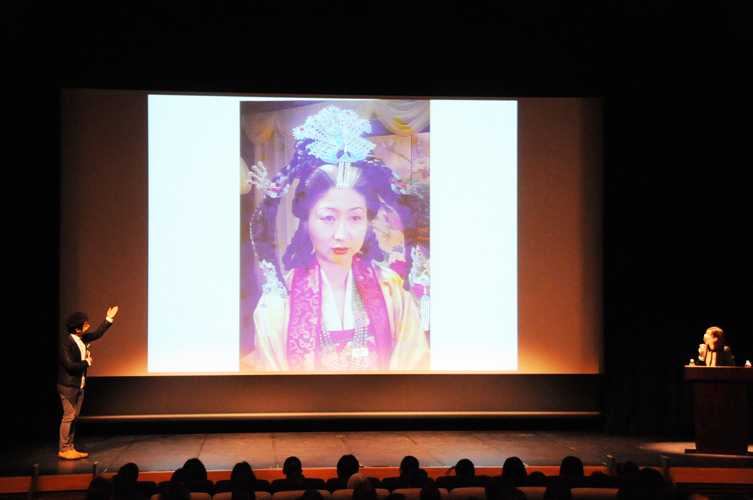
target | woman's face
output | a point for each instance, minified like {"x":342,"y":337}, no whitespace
{"x":337,"y":225}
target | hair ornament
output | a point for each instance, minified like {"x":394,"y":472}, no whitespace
{"x":273,"y":286}
{"x":334,"y":130}
{"x":258,"y":176}
{"x":420,"y":274}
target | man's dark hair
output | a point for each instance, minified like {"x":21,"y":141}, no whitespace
{"x":100,"y":489}
{"x":465,"y":467}
{"x":130,"y":470}
{"x":514,"y":467}
{"x":292,"y":465}
{"x":418,"y":478}
{"x":494,"y":486}
{"x":364,"y":491}
{"x":311,"y":495}
{"x":347,"y":466}
{"x":174,"y":490}
{"x":241,"y":468}
{"x":76,"y":321}
{"x":407,"y":464}
{"x":557,"y":492}
{"x":571,"y":466}
{"x":194,"y":470}
{"x":430,"y":492}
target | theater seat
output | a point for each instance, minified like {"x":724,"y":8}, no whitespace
{"x":347,"y":494}
{"x":227,"y":495}
{"x":194,"y":496}
{"x":294,"y":494}
{"x":533,"y":492}
{"x":415,"y":493}
{"x":594,"y":493}
{"x":468,"y":493}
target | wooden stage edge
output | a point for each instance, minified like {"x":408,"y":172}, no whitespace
{"x":344,"y":415}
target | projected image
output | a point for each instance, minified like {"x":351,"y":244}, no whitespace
{"x":335,"y":263}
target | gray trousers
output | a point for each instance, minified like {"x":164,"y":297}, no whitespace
{"x":68,"y":424}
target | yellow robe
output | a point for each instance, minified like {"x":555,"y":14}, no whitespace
{"x":410,"y":348}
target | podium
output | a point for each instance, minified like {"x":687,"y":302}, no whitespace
{"x":721,"y":408}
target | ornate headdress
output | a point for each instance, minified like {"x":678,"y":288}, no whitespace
{"x":333,"y":136}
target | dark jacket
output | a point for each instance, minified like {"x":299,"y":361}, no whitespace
{"x":723,"y":358}
{"x":70,"y":366}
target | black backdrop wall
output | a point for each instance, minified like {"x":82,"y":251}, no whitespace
{"x":677,"y":146}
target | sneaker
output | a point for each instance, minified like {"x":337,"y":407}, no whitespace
{"x":69,"y":455}
{"x":81,"y":454}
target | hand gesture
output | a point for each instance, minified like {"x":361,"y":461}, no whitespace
{"x":111,"y":312}
{"x":702,"y":352}
{"x":89,"y":359}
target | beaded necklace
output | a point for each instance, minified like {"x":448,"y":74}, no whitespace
{"x":359,"y":354}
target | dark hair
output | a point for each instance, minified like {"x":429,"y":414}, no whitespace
{"x":430,"y":492}
{"x":495,"y":485}
{"x":557,"y":492}
{"x":241,"y":468}
{"x":311,"y":495}
{"x":372,"y":179}
{"x":651,"y":479}
{"x":417,"y":478}
{"x":292,"y":465}
{"x":174,"y":490}
{"x":571,"y":466}
{"x":627,"y":469}
{"x":364,"y":491}
{"x":347,"y":466}
{"x":130,"y":470}
{"x":76,"y":321}
{"x":194,"y":470}
{"x":407,"y":464}
{"x":514,"y":467}
{"x":100,"y":488}
{"x":719,"y":334}
{"x":465,"y":467}
{"x":243,"y":478}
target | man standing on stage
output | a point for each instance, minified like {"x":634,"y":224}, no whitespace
{"x":74,"y":359}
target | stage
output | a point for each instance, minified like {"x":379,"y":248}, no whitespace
{"x":266,"y":451}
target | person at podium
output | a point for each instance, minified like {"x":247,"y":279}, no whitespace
{"x":714,"y":351}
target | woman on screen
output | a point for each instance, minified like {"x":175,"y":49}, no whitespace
{"x":335,"y":309}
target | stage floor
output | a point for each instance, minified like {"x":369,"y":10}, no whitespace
{"x":221,"y":451}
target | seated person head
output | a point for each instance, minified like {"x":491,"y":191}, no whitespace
{"x":242,"y":468}
{"x":429,"y":492}
{"x":571,"y":466}
{"x":100,"y":489}
{"x":130,"y":470}
{"x":194,"y":470}
{"x":417,"y":478}
{"x":494,"y":486}
{"x":292,"y":466}
{"x":514,"y":467}
{"x":407,"y":464}
{"x":651,"y":479}
{"x":347,"y":466}
{"x":364,"y":491}
{"x":465,"y":467}
{"x":174,"y":491}
{"x":557,"y":492}
{"x":311,"y":495}
{"x":356,"y":479}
